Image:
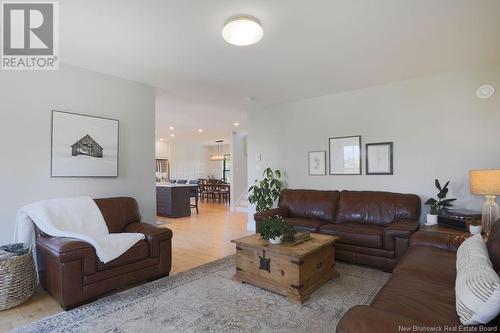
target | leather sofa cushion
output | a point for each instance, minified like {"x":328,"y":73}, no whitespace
{"x":422,"y":287}
{"x":305,"y":225}
{"x":379,"y":208}
{"x":355,"y":234}
{"x":313,"y":204}
{"x":119,"y":212}
{"x":139,"y":251}
{"x":441,"y":268}
{"x":413,"y":296}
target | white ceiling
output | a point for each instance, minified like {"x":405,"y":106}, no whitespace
{"x":310,"y":47}
{"x":187,"y":116}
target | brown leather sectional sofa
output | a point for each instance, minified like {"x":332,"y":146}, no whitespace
{"x":421,"y":290}
{"x":71,"y":272}
{"x":374,"y":227}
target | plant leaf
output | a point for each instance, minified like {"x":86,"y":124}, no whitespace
{"x":436,"y":182}
{"x":430,"y":201}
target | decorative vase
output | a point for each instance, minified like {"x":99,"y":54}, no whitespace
{"x":475,"y":229}
{"x":432,"y":219}
{"x":491,"y":213}
{"x":276,"y":240}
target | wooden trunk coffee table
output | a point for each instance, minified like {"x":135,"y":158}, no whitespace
{"x":294,"y":270}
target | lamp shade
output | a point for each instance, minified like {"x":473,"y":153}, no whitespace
{"x":485,"y":182}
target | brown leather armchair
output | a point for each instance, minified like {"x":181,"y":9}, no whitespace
{"x":72,"y":273}
{"x":374,"y":227}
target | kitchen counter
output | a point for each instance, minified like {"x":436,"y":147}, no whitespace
{"x":173,"y":200}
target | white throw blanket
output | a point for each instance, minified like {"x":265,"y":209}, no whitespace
{"x":78,"y":218}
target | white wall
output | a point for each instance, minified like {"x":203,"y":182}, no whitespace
{"x":188,"y":160}
{"x":239,"y":166}
{"x":191,"y":160}
{"x":26,"y":101}
{"x":439,"y":127}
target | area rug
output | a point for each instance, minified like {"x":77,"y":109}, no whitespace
{"x":205,"y":299}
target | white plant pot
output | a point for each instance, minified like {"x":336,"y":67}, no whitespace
{"x":432,"y":219}
{"x":475,"y":229}
{"x":276,"y":240}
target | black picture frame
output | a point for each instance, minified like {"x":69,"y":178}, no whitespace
{"x":390,"y":156}
{"x":309,"y":162}
{"x":115,"y":175}
{"x":331,"y":171}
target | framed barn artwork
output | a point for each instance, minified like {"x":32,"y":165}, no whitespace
{"x":83,"y":145}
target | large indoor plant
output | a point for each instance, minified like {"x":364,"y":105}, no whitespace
{"x":276,"y":230}
{"x":439,"y":203}
{"x":266,"y":191}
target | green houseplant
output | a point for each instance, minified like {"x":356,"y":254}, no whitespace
{"x":439,"y":203}
{"x":265,"y":192}
{"x":276,"y":230}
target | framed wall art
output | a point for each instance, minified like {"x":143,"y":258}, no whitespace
{"x":345,"y":155}
{"x":84,"y":146}
{"x":379,"y":158}
{"x":317,"y":163}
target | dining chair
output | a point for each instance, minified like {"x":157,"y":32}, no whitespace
{"x":193,"y":193}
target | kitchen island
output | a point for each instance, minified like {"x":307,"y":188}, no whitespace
{"x":173,"y":200}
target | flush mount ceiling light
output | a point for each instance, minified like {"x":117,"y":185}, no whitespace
{"x":242,"y":31}
{"x":485,"y":91}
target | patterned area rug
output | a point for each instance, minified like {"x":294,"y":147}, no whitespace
{"x":205,"y":299}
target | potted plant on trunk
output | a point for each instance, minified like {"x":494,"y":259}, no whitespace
{"x":276,"y":230}
{"x":439,"y":203}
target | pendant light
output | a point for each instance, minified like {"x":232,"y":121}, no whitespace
{"x":218,"y":156}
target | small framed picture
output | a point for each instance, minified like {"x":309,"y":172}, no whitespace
{"x":317,"y":163}
{"x":379,"y":159}
{"x":345,"y":155}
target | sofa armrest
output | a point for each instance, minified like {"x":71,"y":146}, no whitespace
{"x":280,"y":211}
{"x":401,"y":229}
{"x":65,"y":249}
{"x":152,"y":233}
{"x":441,"y":240}
{"x":366,"y":319}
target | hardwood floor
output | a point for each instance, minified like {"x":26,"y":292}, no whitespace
{"x":197,"y":240}
{"x":205,"y":237}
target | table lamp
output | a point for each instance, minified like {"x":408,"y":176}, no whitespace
{"x":487,"y":183}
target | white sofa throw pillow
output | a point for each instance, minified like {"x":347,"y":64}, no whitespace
{"x":477,"y":287}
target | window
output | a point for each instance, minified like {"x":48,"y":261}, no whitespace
{"x":226,"y":168}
